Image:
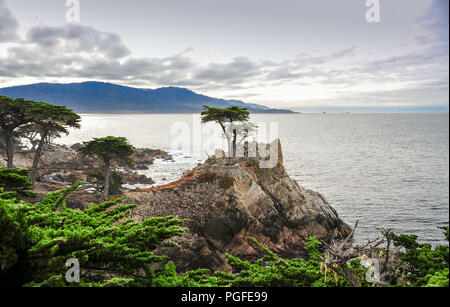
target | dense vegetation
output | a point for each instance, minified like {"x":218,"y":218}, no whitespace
{"x":425,"y":266}
{"x":15,"y":183}
{"x":36,"y":240}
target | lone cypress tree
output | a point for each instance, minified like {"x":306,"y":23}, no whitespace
{"x":225,"y":117}
{"x":108,"y":149}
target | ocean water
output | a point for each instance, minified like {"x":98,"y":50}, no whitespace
{"x":385,"y":170}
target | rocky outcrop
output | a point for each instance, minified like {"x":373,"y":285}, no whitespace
{"x":61,"y":166}
{"x":142,"y":157}
{"x":225,"y":205}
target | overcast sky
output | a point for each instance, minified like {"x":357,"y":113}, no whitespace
{"x":295,"y":54}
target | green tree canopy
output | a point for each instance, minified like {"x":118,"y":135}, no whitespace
{"x":30,"y":116}
{"x":36,"y":240}
{"x":225,"y":117}
{"x":15,"y":183}
{"x":50,"y":119}
{"x":426,"y":265}
{"x":108,"y":149}
{"x":13,"y":114}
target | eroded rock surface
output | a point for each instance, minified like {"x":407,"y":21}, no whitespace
{"x":225,"y":205}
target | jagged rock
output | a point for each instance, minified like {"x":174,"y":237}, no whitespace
{"x":134,"y":178}
{"x":145,"y":156}
{"x":225,"y":205}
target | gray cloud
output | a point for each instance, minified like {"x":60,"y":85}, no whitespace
{"x":236,"y":71}
{"x":8,"y":24}
{"x":78,"y":38}
{"x":78,"y":51}
{"x":180,"y":70}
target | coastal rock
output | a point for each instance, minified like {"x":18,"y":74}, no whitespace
{"x":142,"y":157}
{"x":61,"y":166}
{"x":225,"y":205}
{"x":133,"y":178}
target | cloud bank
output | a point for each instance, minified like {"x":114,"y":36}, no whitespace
{"x":80,"y":52}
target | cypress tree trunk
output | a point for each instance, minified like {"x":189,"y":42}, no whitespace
{"x":234,"y":143}
{"x":9,"y":149}
{"x":230,"y":150}
{"x":105,"y":195}
{"x":37,"y":157}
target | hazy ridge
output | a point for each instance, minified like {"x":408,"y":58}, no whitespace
{"x":99,"y":97}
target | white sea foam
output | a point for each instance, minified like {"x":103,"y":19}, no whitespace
{"x":164,"y":171}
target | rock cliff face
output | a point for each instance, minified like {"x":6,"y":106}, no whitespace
{"x":225,"y":205}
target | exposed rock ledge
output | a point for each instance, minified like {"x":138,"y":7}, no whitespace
{"x":223,"y":212}
{"x":61,"y":166}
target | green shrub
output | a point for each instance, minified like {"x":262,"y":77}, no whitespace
{"x":111,"y":251}
{"x":424,"y":264}
{"x":15,"y":183}
{"x":438,"y":279}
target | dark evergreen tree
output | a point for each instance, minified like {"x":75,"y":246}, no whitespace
{"x":109,"y":149}
{"x":13,"y":114}
{"x":49,"y":120}
{"x":226,"y":117}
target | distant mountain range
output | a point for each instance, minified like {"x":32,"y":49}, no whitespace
{"x":99,"y":97}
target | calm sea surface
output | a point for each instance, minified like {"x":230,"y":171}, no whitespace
{"x":387,"y":170}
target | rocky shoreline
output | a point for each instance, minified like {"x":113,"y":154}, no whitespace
{"x":61,"y":166}
{"x":223,"y":205}
{"x":226,"y":205}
